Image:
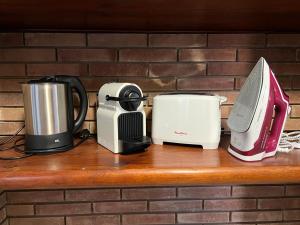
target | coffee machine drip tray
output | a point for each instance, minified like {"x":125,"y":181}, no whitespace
{"x":134,"y":145}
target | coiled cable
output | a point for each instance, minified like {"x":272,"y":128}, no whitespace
{"x":289,"y":141}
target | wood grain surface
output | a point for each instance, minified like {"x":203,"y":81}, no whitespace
{"x":151,"y":15}
{"x":90,"y":165}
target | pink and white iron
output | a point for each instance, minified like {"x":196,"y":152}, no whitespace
{"x":254,"y":135}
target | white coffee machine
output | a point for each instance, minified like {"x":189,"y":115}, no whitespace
{"x":121,"y":119}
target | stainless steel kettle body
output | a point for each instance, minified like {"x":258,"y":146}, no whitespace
{"x":45,"y":108}
{"x":49,"y":113}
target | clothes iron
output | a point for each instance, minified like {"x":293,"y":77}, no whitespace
{"x":254,"y":135}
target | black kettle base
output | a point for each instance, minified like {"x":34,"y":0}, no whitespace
{"x":46,"y":151}
{"x":38,"y":144}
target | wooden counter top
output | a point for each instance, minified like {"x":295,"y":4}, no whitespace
{"x":90,"y":165}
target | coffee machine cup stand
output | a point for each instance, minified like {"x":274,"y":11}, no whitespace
{"x":121,"y":119}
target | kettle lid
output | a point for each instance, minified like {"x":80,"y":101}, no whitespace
{"x":46,"y":79}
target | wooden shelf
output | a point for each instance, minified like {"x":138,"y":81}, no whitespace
{"x":149,"y":15}
{"x":90,"y":165}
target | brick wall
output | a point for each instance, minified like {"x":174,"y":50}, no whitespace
{"x":266,"y":204}
{"x":156,"y":62}
{"x":3,"y":215}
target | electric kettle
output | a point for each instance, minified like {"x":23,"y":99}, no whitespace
{"x":49,"y":113}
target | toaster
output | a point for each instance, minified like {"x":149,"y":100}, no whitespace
{"x":187,"y":118}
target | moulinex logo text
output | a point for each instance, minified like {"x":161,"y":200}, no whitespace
{"x":180,"y":133}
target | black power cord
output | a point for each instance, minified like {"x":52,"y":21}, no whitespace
{"x":83,"y":135}
{"x":12,"y":139}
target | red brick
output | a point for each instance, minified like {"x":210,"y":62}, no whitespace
{"x":229,"y":68}
{"x":271,"y":55}
{"x":140,"y":219}
{"x":55,"y":39}
{"x":2,"y":199}
{"x":12,"y":70}
{"x":178,"y":205}
{"x":296,"y":82}
{"x":86,"y":55}
{"x":148,"y":55}
{"x":94,"y":84}
{"x":292,"y":124}
{"x":86,"y":125}
{"x":2,"y":215}
{"x":225,"y":110}
{"x":11,"y":99}
{"x":91,"y":114}
{"x":91,"y":96}
{"x":150,"y":97}
{"x":204,"y":192}
{"x":163,"y":84}
{"x":93,"y":128}
{"x":177,"y":40}
{"x":236,"y":40}
{"x":206,"y":83}
{"x":93,"y":220}
{"x":204,"y":217}
{"x":148,"y":193}
{"x":256,"y":216}
{"x":285,"y":223}
{"x":293,"y":190}
{"x":11,"y":84}
{"x":34,"y":196}
{"x":285,"y":68}
{"x":19,"y":210}
{"x":11,"y":39}
{"x":9,"y":128}
{"x":119,"y":69}
{"x":202,"y":55}
{"x":295,"y":111}
{"x":283,"y":40}
{"x":93,"y":195}
{"x":117,"y":40}
{"x":294,"y":97}
{"x":230,"y":204}
{"x":120,"y":207}
{"x":177,"y":69}
{"x":12,"y":114}
{"x":56,"y":69}
{"x":63,"y":209}
{"x":27,"y":55}
{"x":285,"y":82}
{"x":291,"y":215}
{"x":279,"y":203}
{"x":257,"y":191}
{"x":37,"y":221}
{"x":230,"y":95}
{"x":239,"y":82}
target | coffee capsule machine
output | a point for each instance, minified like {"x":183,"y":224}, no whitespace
{"x":121,"y":119}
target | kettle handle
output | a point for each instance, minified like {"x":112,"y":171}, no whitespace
{"x":75,"y":83}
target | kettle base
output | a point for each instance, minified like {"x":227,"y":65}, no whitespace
{"x":48,"y":143}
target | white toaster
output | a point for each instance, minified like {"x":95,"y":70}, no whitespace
{"x":187,"y":118}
